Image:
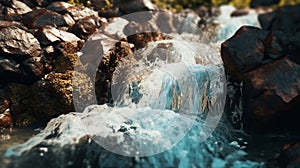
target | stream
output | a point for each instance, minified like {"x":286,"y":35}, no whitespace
{"x":167,"y":112}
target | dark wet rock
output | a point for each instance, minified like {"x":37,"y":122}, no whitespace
{"x":50,"y":35}
{"x":41,"y":3}
{"x":272,"y":96}
{"x":239,"y":56}
{"x":132,"y":6}
{"x":59,"y":7}
{"x":258,"y":3}
{"x":99,"y":4}
{"x":289,"y":157}
{"x":86,"y":26}
{"x":286,"y":19}
{"x":110,"y":13}
{"x":267,"y":64}
{"x":42,"y":17}
{"x":80,"y":12}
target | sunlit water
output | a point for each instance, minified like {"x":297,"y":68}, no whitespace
{"x":13,"y":136}
{"x":185,"y":84}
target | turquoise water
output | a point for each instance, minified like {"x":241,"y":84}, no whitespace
{"x":13,"y":136}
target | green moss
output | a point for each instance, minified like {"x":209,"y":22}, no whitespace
{"x":289,"y":2}
{"x":240,"y":3}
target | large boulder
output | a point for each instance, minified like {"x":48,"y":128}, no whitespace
{"x":21,"y":56}
{"x":267,"y":63}
{"x":285,"y":19}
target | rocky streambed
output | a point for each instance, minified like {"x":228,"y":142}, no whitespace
{"x":165,"y":98}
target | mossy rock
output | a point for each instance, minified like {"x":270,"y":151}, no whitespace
{"x":47,"y":98}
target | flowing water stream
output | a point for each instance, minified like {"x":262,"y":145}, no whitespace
{"x":168,"y":103}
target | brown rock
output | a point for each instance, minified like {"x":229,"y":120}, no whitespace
{"x":20,"y":59}
{"x":59,"y":7}
{"x":86,"y":26}
{"x":42,"y":17}
{"x":80,"y":12}
{"x":6,"y":119}
{"x":289,"y":157}
{"x":16,"y":41}
{"x":286,"y":19}
{"x":132,"y":6}
{"x":20,"y":7}
{"x":267,"y":63}
{"x":49,"y":35}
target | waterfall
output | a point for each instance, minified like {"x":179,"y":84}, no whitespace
{"x":168,"y":102}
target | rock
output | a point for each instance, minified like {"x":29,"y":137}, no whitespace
{"x":286,"y":19}
{"x":289,"y":157}
{"x":5,"y":116}
{"x":100,"y":5}
{"x":59,"y":7}
{"x":110,"y":13}
{"x":16,"y":7}
{"x":29,"y":3}
{"x":86,"y":26}
{"x":6,"y":119}
{"x":15,"y":41}
{"x":248,"y":55}
{"x":41,"y":3}
{"x":42,"y":17}
{"x":8,"y":24}
{"x":64,"y":139}
{"x":55,"y":89}
{"x":20,"y":56}
{"x":267,"y":64}
{"x":258,"y":3}
{"x":239,"y":12}
{"x":80,"y":12}
{"x":132,"y":6}
{"x":50,"y":35}
{"x":272,"y":96}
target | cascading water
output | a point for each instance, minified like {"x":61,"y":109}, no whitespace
{"x":168,"y":99}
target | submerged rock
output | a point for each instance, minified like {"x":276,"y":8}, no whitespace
{"x":64,"y":142}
